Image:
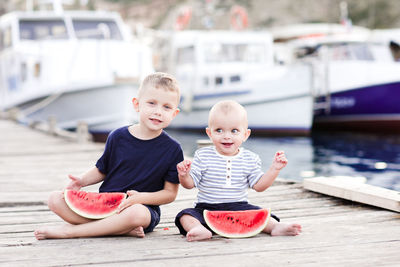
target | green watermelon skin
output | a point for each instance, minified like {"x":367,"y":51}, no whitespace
{"x":237,"y":224}
{"x":93,"y":205}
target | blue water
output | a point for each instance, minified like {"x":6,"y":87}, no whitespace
{"x":375,"y":157}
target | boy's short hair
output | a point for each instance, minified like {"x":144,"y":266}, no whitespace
{"x":160,"y":80}
{"x":225,"y":107}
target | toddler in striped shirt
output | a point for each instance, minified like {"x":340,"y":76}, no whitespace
{"x":223,"y":172}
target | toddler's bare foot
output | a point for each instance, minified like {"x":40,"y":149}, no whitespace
{"x":51,"y":232}
{"x":198,"y":233}
{"x":137,"y":232}
{"x":286,"y":229}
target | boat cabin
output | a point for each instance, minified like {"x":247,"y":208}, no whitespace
{"x":217,"y":62}
{"x":44,"y":52}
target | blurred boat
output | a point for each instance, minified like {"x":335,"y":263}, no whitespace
{"x":72,"y":66}
{"x":390,"y":37}
{"x":356,"y":81}
{"x":239,"y":65}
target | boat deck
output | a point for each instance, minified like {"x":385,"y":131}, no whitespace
{"x":336,"y":232}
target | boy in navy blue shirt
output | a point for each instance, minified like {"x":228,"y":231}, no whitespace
{"x":139,"y":159}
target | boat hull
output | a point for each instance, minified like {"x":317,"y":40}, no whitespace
{"x":372,"y":108}
{"x":102,"y":108}
{"x":290,"y":115}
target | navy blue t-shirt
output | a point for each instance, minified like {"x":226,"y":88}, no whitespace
{"x":130,"y":163}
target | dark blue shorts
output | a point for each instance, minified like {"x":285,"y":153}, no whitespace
{"x":197,"y":212}
{"x":155,"y":217}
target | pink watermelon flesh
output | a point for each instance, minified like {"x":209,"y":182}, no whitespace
{"x":93,"y":205}
{"x":237,"y":224}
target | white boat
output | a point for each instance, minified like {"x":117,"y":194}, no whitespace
{"x":356,"y":81}
{"x":239,"y":65}
{"x":390,"y":37}
{"x":72,"y":66}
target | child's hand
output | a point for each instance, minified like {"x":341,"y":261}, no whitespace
{"x":75,"y":183}
{"x":129,"y":201}
{"x":280,"y":160}
{"x":184,"y":167}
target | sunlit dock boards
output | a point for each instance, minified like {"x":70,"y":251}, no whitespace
{"x":355,"y":191}
{"x":336,"y":232}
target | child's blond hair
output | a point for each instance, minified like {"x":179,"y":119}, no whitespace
{"x":226,"y":107}
{"x":160,"y":80}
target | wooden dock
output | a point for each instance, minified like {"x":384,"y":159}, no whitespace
{"x":336,"y":232}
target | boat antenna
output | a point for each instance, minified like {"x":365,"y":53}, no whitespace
{"x":344,"y":16}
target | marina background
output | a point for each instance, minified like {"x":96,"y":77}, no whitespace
{"x":375,"y":156}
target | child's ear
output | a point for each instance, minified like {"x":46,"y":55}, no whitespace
{"x":176,"y":112}
{"x":208,"y":131}
{"x":247,"y":134}
{"x":135,"y":103}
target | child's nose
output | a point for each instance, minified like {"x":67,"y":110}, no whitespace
{"x":157,"y":110}
{"x":227,"y":135}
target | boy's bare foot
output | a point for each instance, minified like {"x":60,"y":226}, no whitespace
{"x":137,"y":232}
{"x":286,"y":229}
{"x":198,"y":233}
{"x":51,"y":232}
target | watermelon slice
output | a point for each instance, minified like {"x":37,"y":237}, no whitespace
{"x":93,"y":205}
{"x":237,"y":224}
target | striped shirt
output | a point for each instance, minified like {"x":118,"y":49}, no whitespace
{"x":222,"y":179}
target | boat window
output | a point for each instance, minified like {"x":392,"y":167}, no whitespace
{"x":42,"y":29}
{"x":250,"y":53}
{"x":219,"y":80}
{"x":356,"y":51}
{"x":361,"y":52}
{"x":96,"y":29}
{"x":234,"y":78}
{"x":5,"y":38}
{"x":185,"y":55}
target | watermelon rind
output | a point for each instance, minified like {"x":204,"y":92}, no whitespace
{"x":68,"y":194}
{"x":218,"y":229}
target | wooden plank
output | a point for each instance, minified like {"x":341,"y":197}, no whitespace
{"x":345,"y":188}
{"x":34,"y":164}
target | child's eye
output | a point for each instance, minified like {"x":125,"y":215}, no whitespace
{"x":167,"y":107}
{"x":218,"y":130}
{"x":150,"y":102}
{"x":235,"y":131}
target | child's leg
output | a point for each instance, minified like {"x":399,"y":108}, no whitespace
{"x":58,"y":205}
{"x":276,"y":228}
{"x":126,"y":222}
{"x":195,"y":230}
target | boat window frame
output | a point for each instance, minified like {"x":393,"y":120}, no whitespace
{"x":110,"y":24}
{"x":51,"y":35}
{"x":185,"y":55}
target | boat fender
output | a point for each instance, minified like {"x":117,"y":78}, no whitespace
{"x":183,"y":18}
{"x":239,"y":18}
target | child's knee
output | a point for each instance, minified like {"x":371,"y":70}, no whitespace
{"x":54,"y":200}
{"x":138,"y":214}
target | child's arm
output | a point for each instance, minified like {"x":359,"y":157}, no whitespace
{"x":164,"y":196}
{"x":269,"y":177}
{"x":92,"y":176}
{"x":183,"y":173}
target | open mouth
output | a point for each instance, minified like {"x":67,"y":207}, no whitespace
{"x":156,"y":121}
{"x":227,"y":145}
